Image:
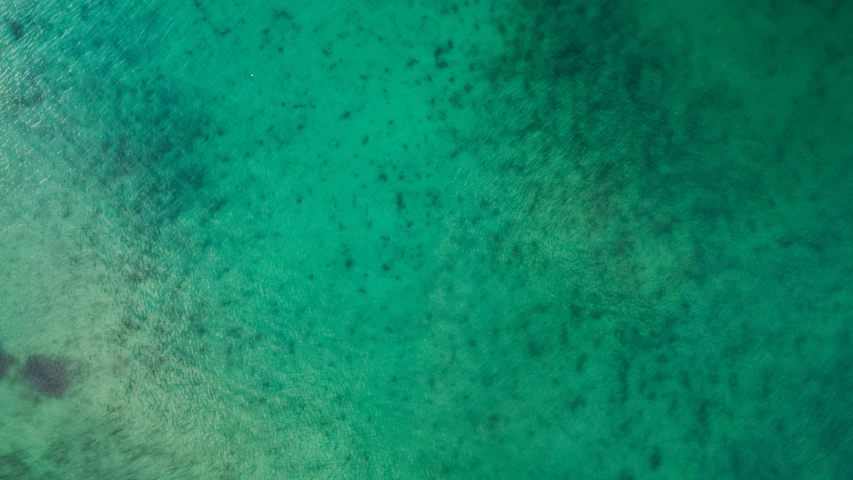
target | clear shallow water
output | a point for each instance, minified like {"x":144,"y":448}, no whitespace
{"x":427,"y":240}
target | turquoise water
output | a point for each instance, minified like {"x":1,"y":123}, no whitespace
{"x":426,"y":240}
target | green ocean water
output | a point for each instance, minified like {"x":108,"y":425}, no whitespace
{"x":427,"y":240}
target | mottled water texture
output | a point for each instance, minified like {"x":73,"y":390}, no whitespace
{"x":6,"y":362}
{"x":526,"y":239}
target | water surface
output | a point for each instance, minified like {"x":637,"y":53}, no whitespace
{"x":426,"y":240}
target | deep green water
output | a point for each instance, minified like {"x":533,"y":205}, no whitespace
{"x":427,"y":240}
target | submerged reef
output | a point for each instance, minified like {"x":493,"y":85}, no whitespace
{"x":6,"y":362}
{"x":47,"y":375}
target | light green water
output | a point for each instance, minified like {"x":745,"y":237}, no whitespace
{"x":427,"y":240}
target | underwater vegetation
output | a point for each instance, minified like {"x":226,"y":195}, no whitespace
{"x":47,"y":375}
